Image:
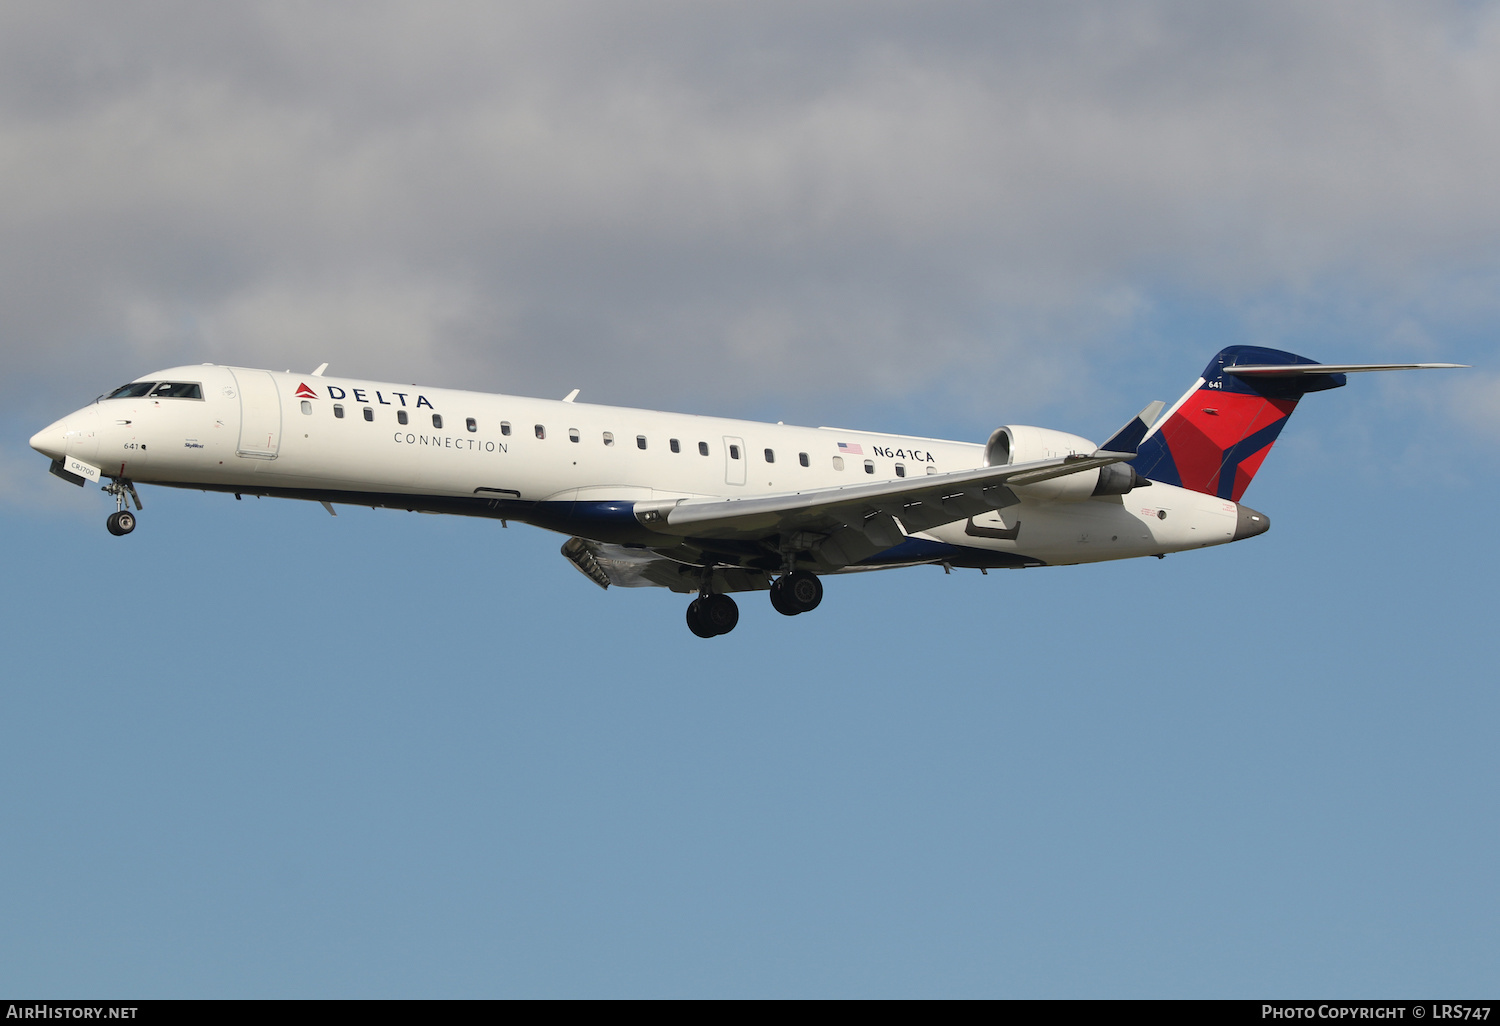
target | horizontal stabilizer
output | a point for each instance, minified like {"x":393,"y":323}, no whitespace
{"x":1293,"y":370}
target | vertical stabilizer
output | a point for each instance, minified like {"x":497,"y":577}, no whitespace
{"x":1217,"y":435}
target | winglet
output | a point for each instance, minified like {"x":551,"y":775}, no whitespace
{"x":571,"y":396}
{"x":1126,"y":440}
{"x":319,"y":372}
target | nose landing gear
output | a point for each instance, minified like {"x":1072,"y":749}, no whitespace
{"x":796,"y":592}
{"x":121,"y":522}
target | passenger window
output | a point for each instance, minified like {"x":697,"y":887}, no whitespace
{"x":471,"y":424}
{"x":901,"y":470}
{"x":505,"y":427}
{"x":609,"y":438}
{"x":838,"y":463}
{"x":369,"y":415}
{"x":702,"y":448}
{"x":931,"y":469}
{"x":541,"y":432}
{"x":573,"y":435}
{"x":401,"y":417}
{"x":869,"y":466}
{"x":306,"y":406}
{"x":770,"y":456}
{"x":640,"y":441}
{"x":437,"y":421}
{"x":734,"y":452}
{"x":674,"y":444}
{"x":802,"y":458}
{"x":338,"y":411}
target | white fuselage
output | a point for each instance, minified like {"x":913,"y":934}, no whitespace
{"x":575,"y":467}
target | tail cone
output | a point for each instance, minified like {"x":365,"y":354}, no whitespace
{"x":1250,"y":522}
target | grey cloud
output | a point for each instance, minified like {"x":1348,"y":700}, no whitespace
{"x":659,"y":201}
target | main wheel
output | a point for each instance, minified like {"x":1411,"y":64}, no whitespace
{"x":780,"y":601}
{"x":695,"y":620}
{"x":719,"y":612}
{"x":120,"y":523}
{"x":801,"y":591}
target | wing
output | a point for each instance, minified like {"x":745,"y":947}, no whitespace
{"x":844,"y":525}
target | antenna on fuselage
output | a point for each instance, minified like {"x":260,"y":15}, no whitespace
{"x":321,"y":368}
{"x":571,"y":395}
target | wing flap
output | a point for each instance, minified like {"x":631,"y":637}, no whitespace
{"x":920,"y":504}
{"x":937,"y":499}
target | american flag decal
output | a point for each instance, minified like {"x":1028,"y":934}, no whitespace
{"x":851,"y":450}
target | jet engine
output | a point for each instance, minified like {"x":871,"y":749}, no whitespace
{"x":1015,"y":443}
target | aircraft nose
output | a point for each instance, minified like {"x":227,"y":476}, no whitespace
{"x":52,"y":440}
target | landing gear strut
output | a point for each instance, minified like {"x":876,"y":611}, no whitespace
{"x":797,"y":592}
{"x":121,"y":522}
{"x":712,"y":615}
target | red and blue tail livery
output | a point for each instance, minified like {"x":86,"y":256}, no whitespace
{"x":1217,"y":435}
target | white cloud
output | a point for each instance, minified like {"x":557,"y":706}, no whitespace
{"x":299,"y":323}
{"x":660,"y":200}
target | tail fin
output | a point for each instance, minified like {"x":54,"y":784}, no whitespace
{"x":1215,"y":437}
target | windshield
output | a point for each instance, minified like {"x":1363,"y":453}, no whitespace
{"x":177,"y":390}
{"x":158,"y":390}
{"x":133,"y":390}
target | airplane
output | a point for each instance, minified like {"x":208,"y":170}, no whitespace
{"x":706,"y":506}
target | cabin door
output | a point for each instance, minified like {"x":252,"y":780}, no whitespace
{"x":734,"y":460}
{"x":260,"y":414}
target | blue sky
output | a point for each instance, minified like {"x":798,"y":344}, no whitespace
{"x":254,"y":750}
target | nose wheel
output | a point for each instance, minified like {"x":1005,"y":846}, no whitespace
{"x":796,"y":592}
{"x":712,"y":615}
{"x":120,"y":523}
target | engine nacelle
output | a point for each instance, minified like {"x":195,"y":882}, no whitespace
{"x":1021,"y":444}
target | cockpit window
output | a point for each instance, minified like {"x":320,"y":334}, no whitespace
{"x":134,"y":390}
{"x":178,"y":390}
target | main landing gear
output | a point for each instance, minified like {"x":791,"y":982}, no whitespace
{"x":712,"y":615}
{"x":121,"y":522}
{"x":796,"y":592}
